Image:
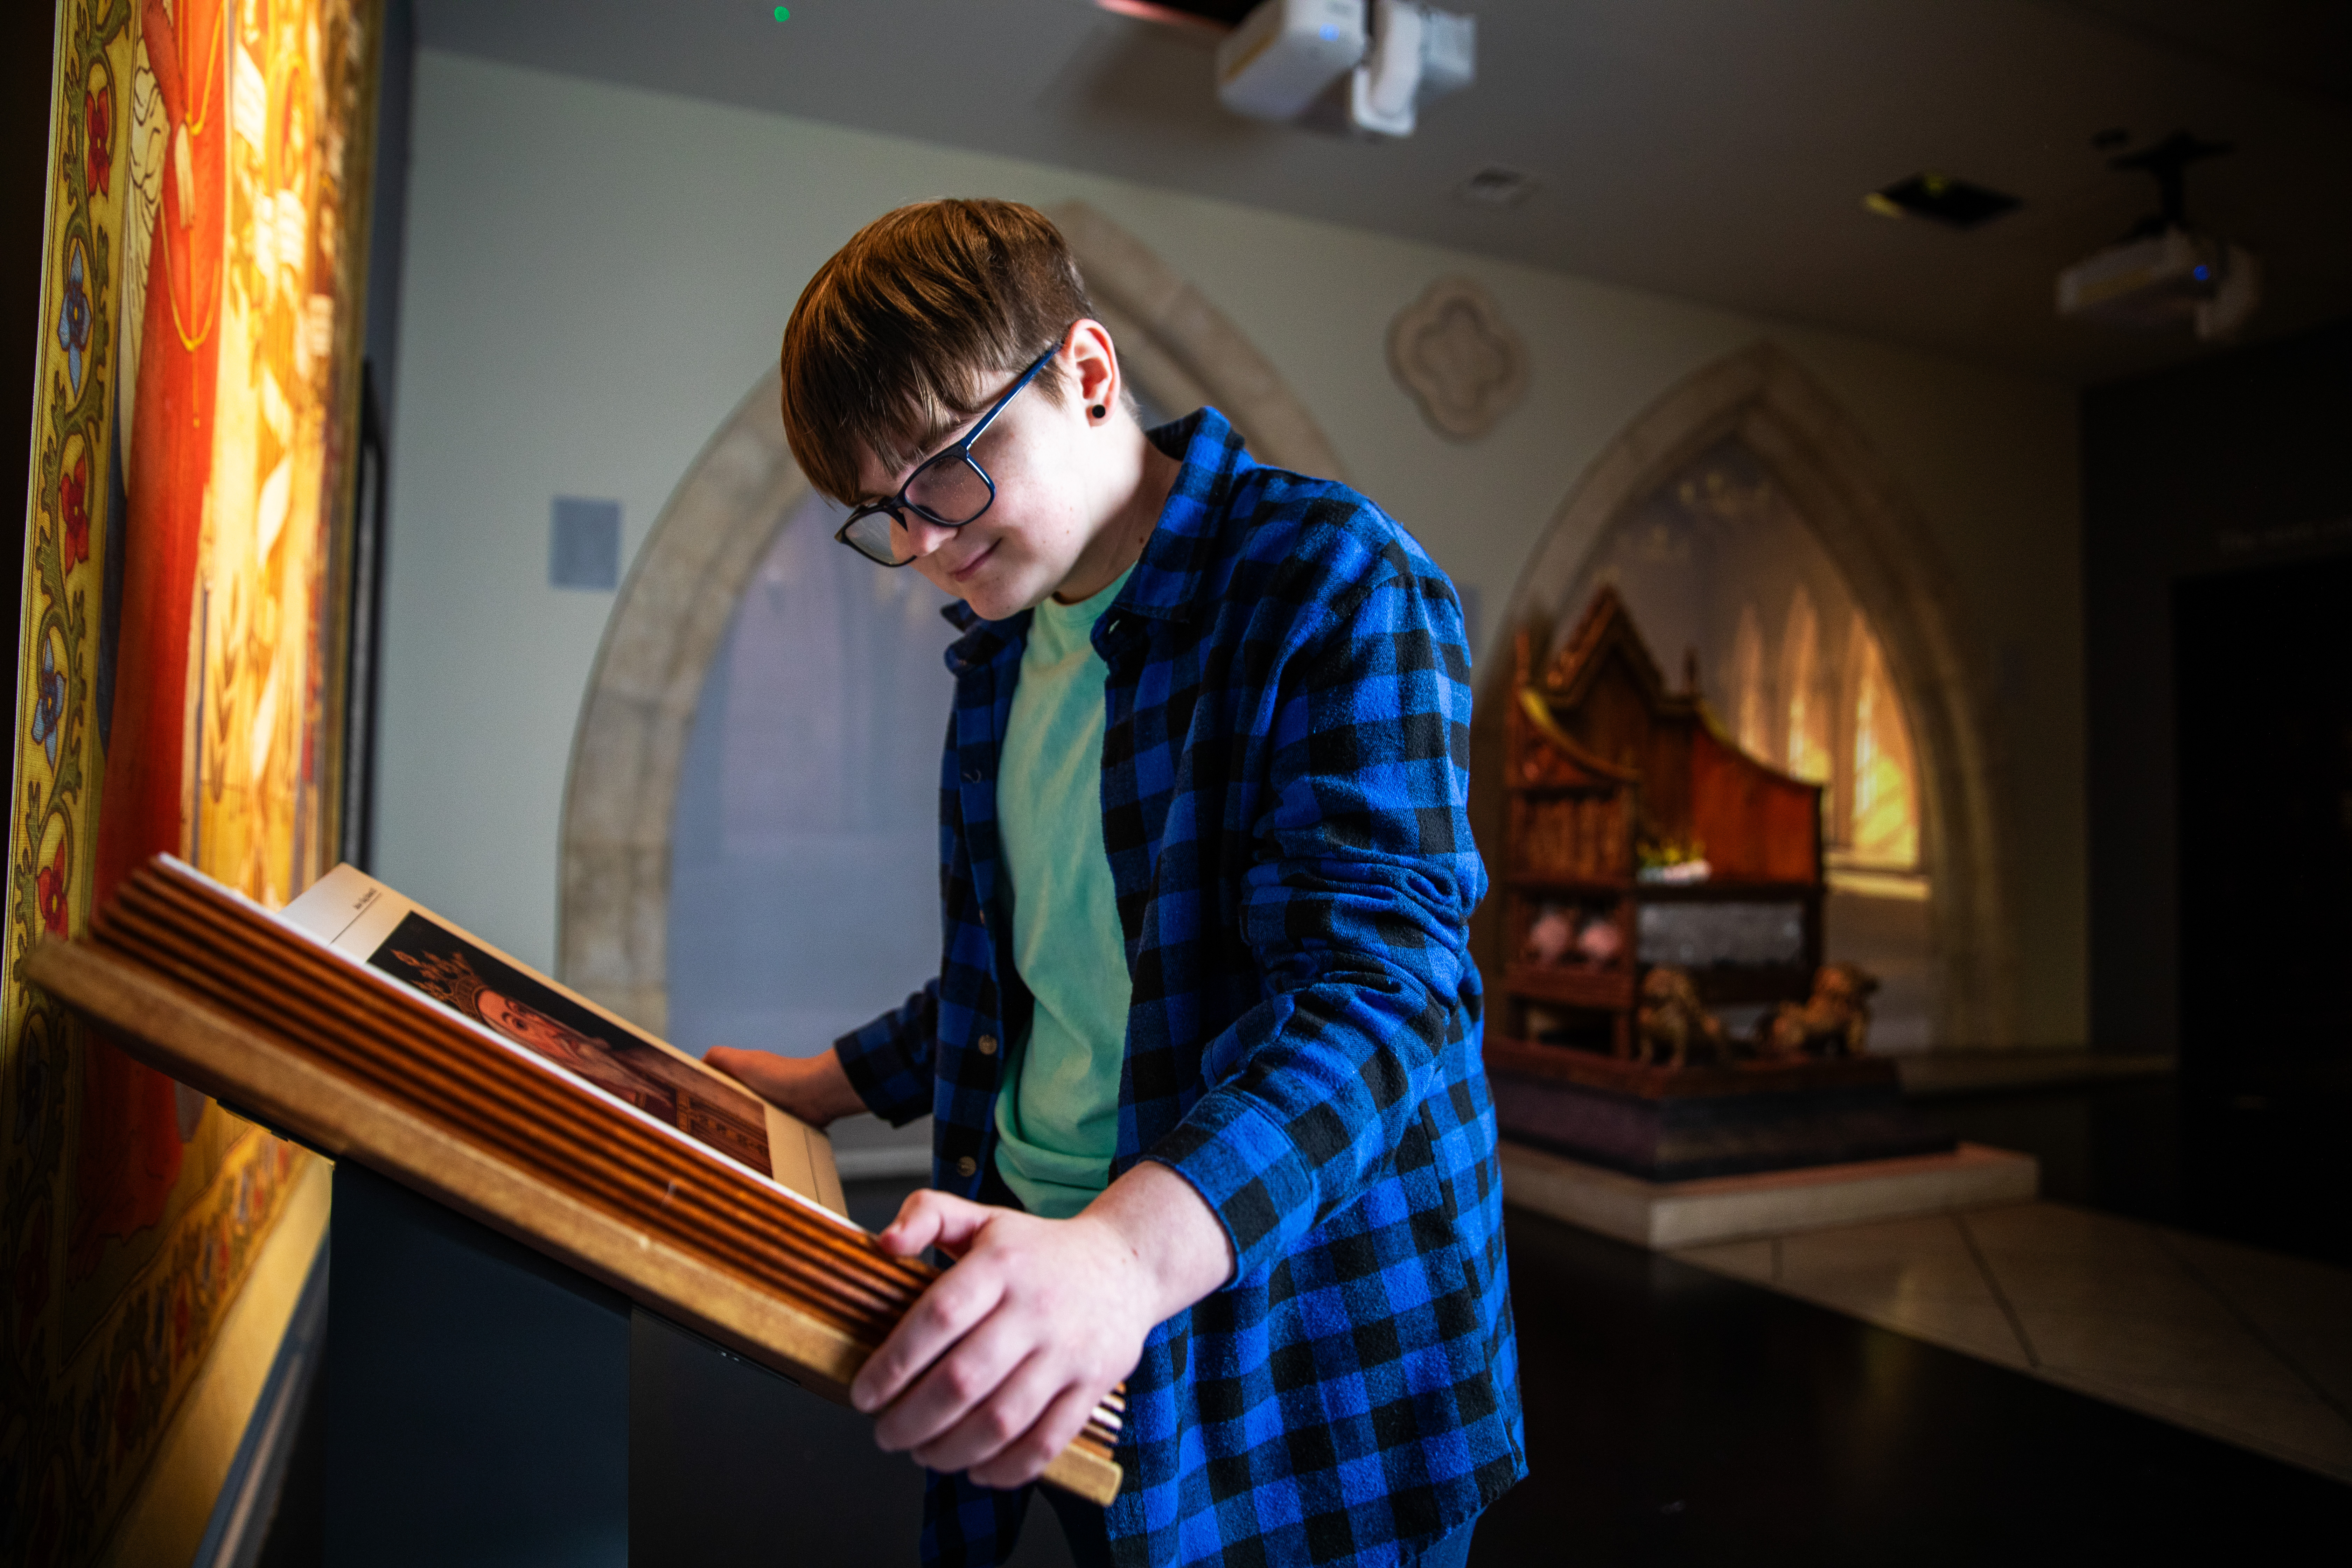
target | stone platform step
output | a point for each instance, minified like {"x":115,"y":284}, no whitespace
{"x":1663,"y":1216}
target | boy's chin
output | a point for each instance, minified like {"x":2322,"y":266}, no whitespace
{"x":1002,"y":601}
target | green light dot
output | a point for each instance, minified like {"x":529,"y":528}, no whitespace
{"x":783,"y":13}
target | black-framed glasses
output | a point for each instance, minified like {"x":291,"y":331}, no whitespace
{"x":948,"y":487}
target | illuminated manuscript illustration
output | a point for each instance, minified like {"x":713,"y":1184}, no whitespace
{"x":431,"y":958}
{"x":180,"y":670}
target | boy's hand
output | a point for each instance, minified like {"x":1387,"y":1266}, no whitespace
{"x":814,"y":1088}
{"x":1001,"y":1362}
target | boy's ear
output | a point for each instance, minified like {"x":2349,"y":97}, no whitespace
{"x":1095,"y":363}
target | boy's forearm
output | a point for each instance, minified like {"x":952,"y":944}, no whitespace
{"x":829,"y":1087}
{"x":1175,"y":1238}
{"x":814,"y":1088}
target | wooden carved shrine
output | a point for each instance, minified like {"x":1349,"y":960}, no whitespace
{"x":1628,"y":806}
{"x":1642,"y":845}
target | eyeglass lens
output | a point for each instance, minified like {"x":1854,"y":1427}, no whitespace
{"x":870,"y":536}
{"x":953,"y":493}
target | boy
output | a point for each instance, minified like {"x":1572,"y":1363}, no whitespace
{"x":1203,"y":1055}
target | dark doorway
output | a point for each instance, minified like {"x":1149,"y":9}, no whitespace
{"x":2263,"y":673}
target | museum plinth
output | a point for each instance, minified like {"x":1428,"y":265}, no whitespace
{"x":1666,"y":1157}
{"x":1677,"y":1125}
{"x":1663,"y":1216}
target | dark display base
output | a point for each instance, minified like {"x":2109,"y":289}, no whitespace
{"x":1670,"y":1124}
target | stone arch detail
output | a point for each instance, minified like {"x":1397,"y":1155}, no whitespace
{"x":1761,"y":396}
{"x":628,"y":750}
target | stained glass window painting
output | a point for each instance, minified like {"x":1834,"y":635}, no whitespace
{"x":1753,"y":703}
{"x":1806,"y":751}
{"x":1885,"y":829}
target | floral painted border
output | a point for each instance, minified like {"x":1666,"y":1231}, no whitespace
{"x":80,"y":1423}
{"x":108,"y":1413}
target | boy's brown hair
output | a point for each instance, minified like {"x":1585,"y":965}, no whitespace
{"x":910,"y":322}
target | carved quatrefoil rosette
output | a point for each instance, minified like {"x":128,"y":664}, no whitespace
{"x":1461,"y":361}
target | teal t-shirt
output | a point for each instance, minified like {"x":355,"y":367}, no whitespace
{"x":1057,"y":1115}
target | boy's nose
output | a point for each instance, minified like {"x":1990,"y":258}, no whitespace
{"x":924,"y":536}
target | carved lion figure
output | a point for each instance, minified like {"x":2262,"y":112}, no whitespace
{"x":1673,"y":1025}
{"x":1834,"y":1021}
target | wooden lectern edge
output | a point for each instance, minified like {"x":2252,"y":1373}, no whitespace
{"x":197,"y":1042}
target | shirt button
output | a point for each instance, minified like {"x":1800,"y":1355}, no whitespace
{"x":987,"y":1044}
{"x":967,"y":1167}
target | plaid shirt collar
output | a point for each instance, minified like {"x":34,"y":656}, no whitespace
{"x":1166,"y":583}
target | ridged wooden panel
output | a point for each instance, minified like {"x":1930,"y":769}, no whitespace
{"x":215,"y":993}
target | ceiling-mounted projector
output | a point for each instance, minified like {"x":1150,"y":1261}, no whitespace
{"x":1287,"y":55}
{"x":2165,"y":278}
{"x":2164,"y":272}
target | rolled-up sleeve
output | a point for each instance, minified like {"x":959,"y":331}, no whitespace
{"x":889,"y":1060}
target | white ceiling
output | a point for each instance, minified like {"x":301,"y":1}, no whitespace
{"x":1717,"y":150}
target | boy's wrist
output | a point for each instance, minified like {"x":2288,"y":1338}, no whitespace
{"x":830,"y":1082}
{"x":1174,"y":1243}
{"x":815,"y":1089}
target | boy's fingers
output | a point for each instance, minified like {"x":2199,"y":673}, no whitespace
{"x":973,"y":1399}
{"x":946,"y":1312}
{"x":911,"y":1231}
{"x":989,"y":1427}
{"x":1025,"y":1458}
{"x":929,"y":1219}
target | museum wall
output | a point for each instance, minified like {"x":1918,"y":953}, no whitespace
{"x":595,"y":276}
{"x":2232,"y":464}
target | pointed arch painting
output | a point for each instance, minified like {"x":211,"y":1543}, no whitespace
{"x":180,"y":664}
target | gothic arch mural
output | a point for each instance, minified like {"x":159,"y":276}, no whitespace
{"x":620,"y":796}
{"x":1763,"y":401}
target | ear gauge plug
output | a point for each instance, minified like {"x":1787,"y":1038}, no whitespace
{"x":1099,"y":410}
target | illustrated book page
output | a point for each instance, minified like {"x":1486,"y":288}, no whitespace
{"x":362,"y":920}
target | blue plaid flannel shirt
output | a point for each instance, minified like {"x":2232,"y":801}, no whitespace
{"x":1284,"y":792}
